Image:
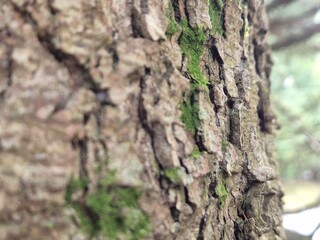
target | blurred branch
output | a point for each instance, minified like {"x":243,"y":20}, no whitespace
{"x":314,"y":143}
{"x":297,"y":38}
{"x":314,"y":204}
{"x":278,"y":24}
{"x":277,"y":3}
{"x":307,"y":49}
{"x":295,"y":118}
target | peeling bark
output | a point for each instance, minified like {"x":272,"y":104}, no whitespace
{"x":114,"y":127}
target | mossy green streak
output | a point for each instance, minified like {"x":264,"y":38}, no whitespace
{"x":196,"y":153}
{"x":173,"y":26}
{"x":190,"y":114}
{"x":216,"y":16}
{"x":221,"y":191}
{"x":192,"y":45}
{"x":173,"y":174}
{"x":110,"y":210}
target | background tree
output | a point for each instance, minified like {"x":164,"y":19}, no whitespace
{"x":294,"y":22}
{"x":136,"y":119}
{"x":295,"y":40}
{"x":294,"y":29}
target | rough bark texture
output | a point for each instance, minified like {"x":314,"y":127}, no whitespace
{"x":136,"y":119}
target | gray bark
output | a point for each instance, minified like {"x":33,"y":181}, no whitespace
{"x":136,"y":119}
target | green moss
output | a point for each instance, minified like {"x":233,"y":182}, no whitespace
{"x":74,"y":186}
{"x":224,"y":145}
{"x":85,"y":223}
{"x":110,"y":210}
{"x":173,"y":26}
{"x":119,"y":213}
{"x":221,"y":191}
{"x":192,"y":43}
{"x":49,"y":224}
{"x":108,"y":180}
{"x":192,"y":46}
{"x":246,"y":31}
{"x":78,"y":186}
{"x":196,"y":153}
{"x":190,"y":114}
{"x":173,"y":174}
{"x":216,"y":16}
{"x":138,"y":223}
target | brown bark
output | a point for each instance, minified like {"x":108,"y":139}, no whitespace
{"x":99,"y":103}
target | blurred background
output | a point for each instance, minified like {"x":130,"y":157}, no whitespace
{"x":295,"y":40}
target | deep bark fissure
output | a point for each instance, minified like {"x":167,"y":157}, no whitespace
{"x":78,"y":72}
{"x":266,"y":118}
{"x":53,"y":10}
{"x":135,"y":18}
{"x":9,"y":76}
{"x":188,"y":201}
{"x":176,"y":10}
{"x":142,"y":113}
{"x":215,"y":53}
{"x":174,"y":213}
{"x":82,"y":144}
{"x":202,"y":224}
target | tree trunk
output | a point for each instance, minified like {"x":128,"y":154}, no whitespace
{"x":136,"y":119}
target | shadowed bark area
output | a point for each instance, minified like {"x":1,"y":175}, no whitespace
{"x":136,"y":119}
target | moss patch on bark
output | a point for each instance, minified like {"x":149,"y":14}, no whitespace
{"x":173,"y":174}
{"x":173,"y":26}
{"x":195,"y":153}
{"x":224,"y":145}
{"x":221,"y":192}
{"x":110,"y":211}
{"x":190,"y":114}
{"x":192,"y":41}
{"x":192,"y":47}
{"x":216,"y":16}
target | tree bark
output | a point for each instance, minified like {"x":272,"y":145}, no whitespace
{"x":136,"y":119}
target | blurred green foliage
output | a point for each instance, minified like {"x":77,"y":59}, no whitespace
{"x":296,"y":99}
